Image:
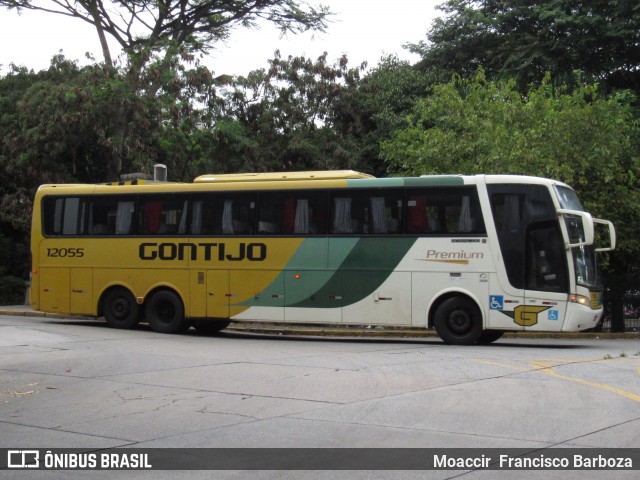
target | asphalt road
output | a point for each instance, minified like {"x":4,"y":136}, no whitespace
{"x":80,"y":384}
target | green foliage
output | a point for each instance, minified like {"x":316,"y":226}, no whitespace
{"x":369,"y":113}
{"x":157,"y":39}
{"x":284,"y":117}
{"x":475,"y":126}
{"x":14,"y":265}
{"x":522,"y":39}
{"x":12,"y":290}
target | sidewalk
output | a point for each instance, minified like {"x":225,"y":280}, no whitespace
{"x":27,"y":311}
{"x":263,"y":327}
{"x":331,"y":330}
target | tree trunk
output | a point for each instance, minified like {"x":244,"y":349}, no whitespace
{"x":616,"y":283}
{"x":92,"y":7}
{"x":114,"y":168}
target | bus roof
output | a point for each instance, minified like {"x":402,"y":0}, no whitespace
{"x":289,"y":181}
{"x":281,"y":176}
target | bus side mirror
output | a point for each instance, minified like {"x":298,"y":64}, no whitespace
{"x":579,"y":225}
{"x":612,"y":235}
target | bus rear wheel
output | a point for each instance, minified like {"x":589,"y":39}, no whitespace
{"x":121,"y":309}
{"x":165,"y":313}
{"x":458,"y":321}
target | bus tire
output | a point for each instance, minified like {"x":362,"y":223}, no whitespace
{"x":458,"y":321}
{"x":210,"y":327}
{"x":121,"y":309}
{"x":165,"y":312}
{"x":489,"y":336}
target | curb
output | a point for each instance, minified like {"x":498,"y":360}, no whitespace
{"x":33,"y":313}
{"x":314,"y":330}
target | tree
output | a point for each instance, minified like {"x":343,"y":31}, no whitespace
{"x":157,"y":35}
{"x":300,"y":113}
{"x":171,"y":26}
{"x":378,"y":105}
{"x":590,"y":142}
{"x":523,"y":39}
{"x":283,"y":117}
{"x":56,"y":127}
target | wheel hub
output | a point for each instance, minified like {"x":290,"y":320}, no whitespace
{"x":459,"y":321}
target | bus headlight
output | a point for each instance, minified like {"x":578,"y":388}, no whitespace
{"x":580,"y":299}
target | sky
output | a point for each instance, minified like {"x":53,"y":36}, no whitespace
{"x":365,"y":30}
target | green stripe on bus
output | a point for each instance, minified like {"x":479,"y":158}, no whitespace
{"x":366,"y":267}
{"x":434,"y":180}
{"x":426,"y":181}
{"x":309,"y":262}
{"x":375,"y":183}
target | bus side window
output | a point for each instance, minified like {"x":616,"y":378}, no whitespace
{"x":386,"y":212}
{"x":417,"y":214}
{"x":166,"y":215}
{"x":124,"y":217}
{"x":318,"y":214}
{"x":99,"y":220}
{"x":271,"y":214}
{"x":238,"y":216}
{"x":342,"y":220}
{"x":292,"y":213}
{"x":440,"y":210}
{"x":310,"y":217}
{"x":219,"y":214}
{"x":206,"y":215}
{"x":296,"y":216}
{"x":367,"y":212}
{"x":111,"y":215}
{"x":64,"y":215}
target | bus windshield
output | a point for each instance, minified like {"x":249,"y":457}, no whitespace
{"x":568,"y":199}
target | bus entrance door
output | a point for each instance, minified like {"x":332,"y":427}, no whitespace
{"x":546,"y":277}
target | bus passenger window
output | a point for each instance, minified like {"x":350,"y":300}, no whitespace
{"x":222,"y":215}
{"x":367,"y":212}
{"x":292,"y":213}
{"x":99,"y":220}
{"x":417,"y":216}
{"x":298,"y":217}
{"x":271,"y":216}
{"x":444,"y":210}
{"x":310,"y":213}
{"x":124,"y":217}
{"x":206,"y":216}
{"x":342,"y":221}
{"x":238,"y":216}
{"x":165,"y":215}
{"x":64,"y":215}
{"x":349,"y":215}
{"x":318,"y":214}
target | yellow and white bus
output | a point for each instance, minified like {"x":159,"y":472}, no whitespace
{"x":471,"y":256}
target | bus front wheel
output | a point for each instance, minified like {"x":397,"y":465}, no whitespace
{"x":121,"y":309}
{"x":165,"y":313}
{"x":458,"y":321}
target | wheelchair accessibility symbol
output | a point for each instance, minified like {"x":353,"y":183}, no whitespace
{"x":554,"y":315}
{"x":496,"y":302}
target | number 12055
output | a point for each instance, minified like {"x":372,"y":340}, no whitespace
{"x":65,"y":252}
